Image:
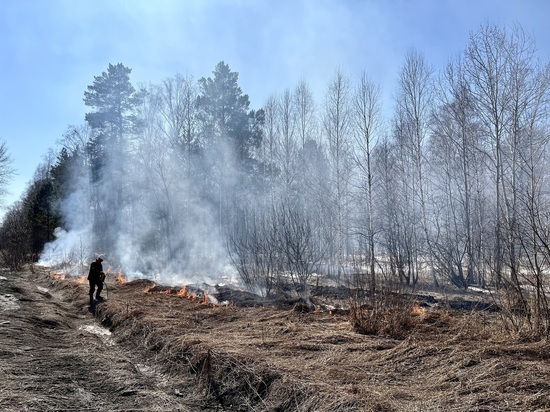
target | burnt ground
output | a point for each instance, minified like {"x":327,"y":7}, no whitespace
{"x":168,"y":353}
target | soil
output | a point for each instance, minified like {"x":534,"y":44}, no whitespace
{"x":149,"y":348}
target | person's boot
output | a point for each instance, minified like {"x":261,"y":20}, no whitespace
{"x":98,"y":298}
{"x":91,"y":300}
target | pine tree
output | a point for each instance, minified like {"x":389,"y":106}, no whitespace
{"x":113,"y":120}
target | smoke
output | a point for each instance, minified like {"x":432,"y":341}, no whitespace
{"x":152,"y":210}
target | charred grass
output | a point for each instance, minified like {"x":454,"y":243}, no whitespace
{"x":266,"y":359}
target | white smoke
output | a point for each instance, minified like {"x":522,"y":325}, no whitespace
{"x":159,"y":224}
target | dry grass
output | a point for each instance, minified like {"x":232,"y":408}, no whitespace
{"x":266,"y":359}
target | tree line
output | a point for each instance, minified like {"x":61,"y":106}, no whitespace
{"x":451,"y":187}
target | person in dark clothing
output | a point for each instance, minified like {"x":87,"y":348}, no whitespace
{"x":96,"y":278}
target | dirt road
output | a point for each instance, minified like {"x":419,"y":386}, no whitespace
{"x":55,"y":357}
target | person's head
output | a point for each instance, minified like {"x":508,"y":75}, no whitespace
{"x":99,"y":259}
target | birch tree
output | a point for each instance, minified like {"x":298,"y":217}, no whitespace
{"x":367,"y":121}
{"x":486,"y":69}
{"x":457,"y":167}
{"x":305,"y":112}
{"x":288,"y":145}
{"x":336,"y":122}
{"x":414,"y":99}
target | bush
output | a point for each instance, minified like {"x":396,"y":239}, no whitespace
{"x":388,"y":313}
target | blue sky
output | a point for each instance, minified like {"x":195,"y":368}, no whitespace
{"x":50,"y":50}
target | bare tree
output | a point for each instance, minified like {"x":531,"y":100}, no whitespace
{"x":367,"y":120}
{"x":404,"y":229}
{"x":305,"y":111}
{"x":414,"y":99}
{"x":299,"y":248}
{"x":287,"y":152}
{"x":269,"y":143}
{"x":6,"y":170}
{"x":179,"y":114}
{"x":456,"y":164}
{"x":535,"y":241}
{"x":525,"y":190}
{"x":276,"y":248}
{"x":528,"y":100}
{"x":486,"y":70}
{"x":76,"y":138}
{"x":254,"y":252}
{"x":336,"y":122}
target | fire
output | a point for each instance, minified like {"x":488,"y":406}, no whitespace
{"x":121,"y":279}
{"x":117,"y":275}
{"x":63,"y":276}
{"x":183,"y":291}
{"x":418,"y":311}
{"x":203,"y":299}
{"x":189,"y":293}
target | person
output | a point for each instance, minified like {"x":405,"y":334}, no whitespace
{"x":96,"y":278}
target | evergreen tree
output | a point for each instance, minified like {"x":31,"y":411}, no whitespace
{"x":114,"y":117}
{"x":41,"y":213}
{"x":114,"y":101}
{"x":224,"y":113}
{"x":229,"y":134}
{"x":15,"y":237}
{"x":113,"y":120}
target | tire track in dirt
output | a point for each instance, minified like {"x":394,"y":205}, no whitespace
{"x":53,"y":357}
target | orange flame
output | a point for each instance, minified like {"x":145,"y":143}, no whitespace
{"x":183,"y":291}
{"x":121,"y":279}
{"x":418,"y":311}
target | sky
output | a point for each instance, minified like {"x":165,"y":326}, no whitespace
{"x":50,"y":50}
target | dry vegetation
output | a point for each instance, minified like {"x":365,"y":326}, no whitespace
{"x":235,"y":358}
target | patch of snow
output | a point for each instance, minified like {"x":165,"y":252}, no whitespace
{"x":8,"y":302}
{"x":103,"y":333}
{"x":3,"y":278}
{"x":480,"y":290}
{"x":41,"y":289}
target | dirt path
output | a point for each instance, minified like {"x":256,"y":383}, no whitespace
{"x":55,"y":356}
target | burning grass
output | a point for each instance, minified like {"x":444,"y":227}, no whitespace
{"x":266,"y":359}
